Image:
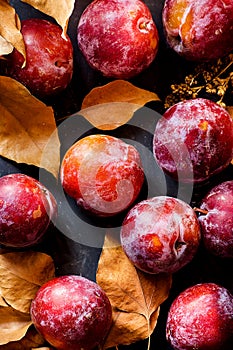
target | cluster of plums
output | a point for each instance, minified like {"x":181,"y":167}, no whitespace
{"x":104,"y":175}
{"x":193,"y":141}
{"x":120,"y":40}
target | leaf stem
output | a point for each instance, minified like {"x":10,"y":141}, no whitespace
{"x":148,"y":344}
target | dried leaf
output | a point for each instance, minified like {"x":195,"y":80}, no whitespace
{"x":13,"y":324}
{"x":5,"y":47}
{"x":32,"y":340}
{"x":10,"y":30}
{"x":124,"y":323}
{"x":112,"y":105}
{"x":2,"y":301}
{"x":27,"y":130}
{"x":135,"y":296}
{"x":118,"y":91}
{"x":21,"y":274}
{"x":61,"y":12}
{"x":230,"y":110}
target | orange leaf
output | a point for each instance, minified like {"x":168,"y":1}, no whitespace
{"x":2,"y":301}
{"x":230,"y":110}
{"x":27,"y":130}
{"x":10,"y":30}
{"x":31,"y":340}
{"x":21,"y":275}
{"x":135,"y":296}
{"x":112,"y":105}
{"x":60,"y":11}
{"x":13,"y":324}
{"x":5,"y":46}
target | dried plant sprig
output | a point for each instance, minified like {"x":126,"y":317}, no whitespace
{"x":214,"y":79}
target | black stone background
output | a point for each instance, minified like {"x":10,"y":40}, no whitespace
{"x":72,"y":257}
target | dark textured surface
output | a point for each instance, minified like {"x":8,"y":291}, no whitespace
{"x":69,"y":255}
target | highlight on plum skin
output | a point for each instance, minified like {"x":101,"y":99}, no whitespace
{"x":26,"y":209}
{"x":103,"y":174}
{"x":201,"y":317}
{"x":160,"y":234}
{"x":199,"y":30}
{"x":118,"y":38}
{"x":216,"y":220}
{"x":201,"y":144}
{"x":49,"y":58}
{"x":72,"y":312}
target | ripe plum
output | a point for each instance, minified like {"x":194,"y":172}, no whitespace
{"x":201,"y":317}
{"x":72,"y":312}
{"x":26,"y":209}
{"x":216,"y":220}
{"x":194,"y":140}
{"x":49,"y":58}
{"x":199,"y":30}
{"x":103,"y":174}
{"x":160,"y":234}
{"x":118,"y":38}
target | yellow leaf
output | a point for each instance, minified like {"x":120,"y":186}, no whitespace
{"x":123,"y":331}
{"x":31,"y":340}
{"x":2,"y":301}
{"x":21,"y":274}
{"x":60,"y":11}
{"x":13,"y":324}
{"x":27,"y":130}
{"x":5,"y":46}
{"x":109,"y":106}
{"x":10,"y":30}
{"x":135,"y":296}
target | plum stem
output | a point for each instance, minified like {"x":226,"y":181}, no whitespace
{"x":199,"y":210}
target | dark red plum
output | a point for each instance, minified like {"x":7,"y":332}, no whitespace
{"x":26,"y":210}
{"x":160,"y":234}
{"x":194,"y":140}
{"x":216,"y":220}
{"x":49,"y":58}
{"x":72,"y":312}
{"x":201,"y":317}
{"x":118,"y":38}
{"x":199,"y":30}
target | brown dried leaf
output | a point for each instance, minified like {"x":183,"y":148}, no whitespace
{"x":124,"y":323}
{"x":5,"y":47}
{"x":230,"y":110}
{"x":27,"y":130}
{"x":2,"y":301}
{"x":61,"y":11}
{"x":135,"y":296}
{"x":13,"y":324}
{"x":21,"y":274}
{"x":32,"y":340}
{"x":112,"y":105}
{"x":10,"y":30}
